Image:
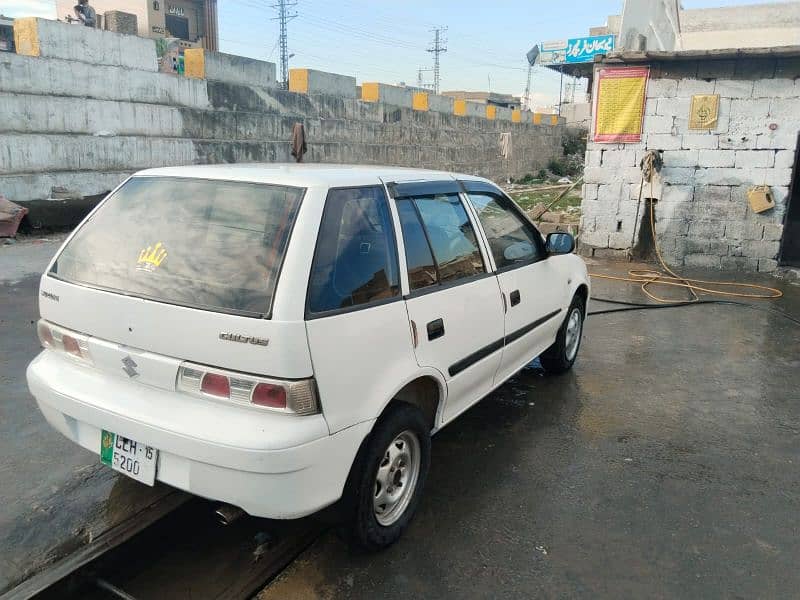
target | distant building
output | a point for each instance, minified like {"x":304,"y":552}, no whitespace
{"x":6,"y":34}
{"x":194,"y":21}
{"x":504,"y":100}
{"x":663,"y":25}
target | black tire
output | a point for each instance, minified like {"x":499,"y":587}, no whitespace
{"x":556,"y":359}
{"x":362,"y":527}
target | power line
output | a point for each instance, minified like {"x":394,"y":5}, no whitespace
{"x":283,"y":7}
{"x":437,"y":47}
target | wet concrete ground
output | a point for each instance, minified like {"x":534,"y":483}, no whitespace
{"x":665,"y":465}
{"x":55,"y":497}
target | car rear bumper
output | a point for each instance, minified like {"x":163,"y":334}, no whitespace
{"x":235,"y":462}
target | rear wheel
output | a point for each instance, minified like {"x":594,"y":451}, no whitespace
{"x":560,"y":357}
{"x":387,"y":478}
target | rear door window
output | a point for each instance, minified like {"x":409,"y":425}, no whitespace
{"x":422,"y":271}
{"x":451,"y":236}
{"x":210,"y":244}
{"x":512,"y":239}
{"x":355,"y":261}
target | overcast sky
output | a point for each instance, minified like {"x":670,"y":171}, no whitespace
{"x":383,"y":40}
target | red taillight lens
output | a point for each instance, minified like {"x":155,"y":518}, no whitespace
{"x":71,"y":345}
{"x":45,"y":335}
{"x":216,"y":385}
{"x":266,"y":394}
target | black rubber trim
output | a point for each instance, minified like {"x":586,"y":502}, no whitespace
{"x":513,"y":337}
{"x":479,"y":186}
{"x":467,"y":362}
{"x":423,"y":188}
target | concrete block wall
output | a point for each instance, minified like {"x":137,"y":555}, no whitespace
{"x":703,"y":216}
{"x":53,"y":39}
{"x":76,"y":129}
{"x":388,"y":94}
{"x":310,"y":81}
{"x":217,"y":66}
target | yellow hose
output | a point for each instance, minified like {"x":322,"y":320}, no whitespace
{"x":648,"y":277}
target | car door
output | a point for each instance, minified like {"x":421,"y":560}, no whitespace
{"x":356,"y":319}
{"x":532,"y":286}
{"x":453,"y":300}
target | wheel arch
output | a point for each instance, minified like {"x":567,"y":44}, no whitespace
{"x":583,"y":292}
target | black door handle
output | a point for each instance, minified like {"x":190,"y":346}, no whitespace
{"x":514,"y":297}
{"x":435,"y":329}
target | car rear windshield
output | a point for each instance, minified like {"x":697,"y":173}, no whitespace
{"x":216,"y":245}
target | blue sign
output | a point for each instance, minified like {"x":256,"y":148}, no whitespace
{"x":584,"y":49}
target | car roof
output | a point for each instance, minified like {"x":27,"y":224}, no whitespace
{"x":305,"y":174}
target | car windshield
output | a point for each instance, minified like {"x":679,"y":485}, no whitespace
{"x":216,"y":245}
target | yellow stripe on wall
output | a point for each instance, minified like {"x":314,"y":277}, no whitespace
{"x":26,"y":36}
{"x":298,"y":81}
{"x":537,"y":118}
{"x":460,"y":107}
{"x":420,"y":101}
{"x":194,"y":63}
{"x":553,"y":119}
{"x":516,"y":115}
{"x":491,"y":111}
{"x":370,"y":92}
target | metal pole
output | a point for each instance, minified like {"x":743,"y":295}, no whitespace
{"x":560,"y":88}
{"x":528,"y":88}
{"x":283,"y":18}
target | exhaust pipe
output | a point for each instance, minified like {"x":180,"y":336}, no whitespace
{"x":227,"y":514}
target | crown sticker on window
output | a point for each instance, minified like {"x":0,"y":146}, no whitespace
{"x":150,"y":258}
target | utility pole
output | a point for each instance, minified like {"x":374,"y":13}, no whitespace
{"x":528,"y":88}
{"x":437,"y":47}
{"x":420,"y":78}
{"x":284,"y":16}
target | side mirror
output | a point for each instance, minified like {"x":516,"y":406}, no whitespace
{"x":560,"y":242}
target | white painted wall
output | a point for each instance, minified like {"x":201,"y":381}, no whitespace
{"x":656,"y":20}
{"x":753,"y":26}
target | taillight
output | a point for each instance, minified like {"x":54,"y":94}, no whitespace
{"x":45,"y":335}
{"x":53,"y":337}
{"x":70,"y":345}
{"x":267,"y":394}
{"x":296,"y":397}
{"x":216,"y":385}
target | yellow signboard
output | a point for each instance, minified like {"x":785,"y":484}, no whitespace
{"x":704,"y":111}
{"x":619,"y":104}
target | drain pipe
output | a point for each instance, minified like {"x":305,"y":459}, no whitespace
{"x":227,"y":514}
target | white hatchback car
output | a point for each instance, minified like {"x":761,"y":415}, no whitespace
{"x":280,"y":337}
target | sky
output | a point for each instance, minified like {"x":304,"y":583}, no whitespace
{"x":386,"y":40}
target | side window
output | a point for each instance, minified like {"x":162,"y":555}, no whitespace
{"x":511,"y":239}
{"x":355,"y":261}
{"x":443,"y":247}
{"x":422,"y":270}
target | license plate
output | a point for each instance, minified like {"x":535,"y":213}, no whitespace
{"x":129,"y":457}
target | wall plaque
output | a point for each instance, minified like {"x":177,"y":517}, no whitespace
{"x":704,"y":111}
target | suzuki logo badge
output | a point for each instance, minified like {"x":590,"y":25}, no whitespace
{"x":129,"y":366}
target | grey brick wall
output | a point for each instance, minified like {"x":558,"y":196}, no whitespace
{"x":85,"y":120}
{"x":703,"y":217}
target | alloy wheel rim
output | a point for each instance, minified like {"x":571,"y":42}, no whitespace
{"x":573,"y":333}
{"x":396,"y":478}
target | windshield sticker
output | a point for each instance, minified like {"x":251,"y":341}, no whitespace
{"x":151,"y":258}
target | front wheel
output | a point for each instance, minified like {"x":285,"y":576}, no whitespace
{"x":560,"y":357}
{"x":387,"y":478}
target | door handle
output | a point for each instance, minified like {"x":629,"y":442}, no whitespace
{"x":514,"y":297}
{"x":435,"y":329}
